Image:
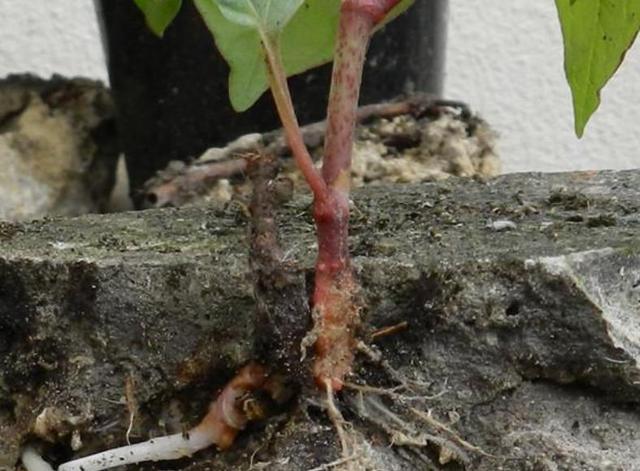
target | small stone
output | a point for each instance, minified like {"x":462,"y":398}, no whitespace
{"x":76,"y":440}
{"x":502,"y":225}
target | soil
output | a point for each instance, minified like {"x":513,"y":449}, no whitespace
{"x":517,"y":304}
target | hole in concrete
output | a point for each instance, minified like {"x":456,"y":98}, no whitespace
{"x":51,"y":452}
{"x":7,"y":337}
{"x":513,"y":309}
{"x":152,"y":198}
{"x":316,"y":413}
{"x":7,"y":411}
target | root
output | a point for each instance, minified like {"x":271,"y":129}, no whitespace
{"x":389,"y":330}
{"x":32,"y":461}
{"x":388,"y":392}
{"x":428,"y":418}
{"x":171,"y":447}
{"x":408,"y":396}
{"x":334,"y":464}
{"x":227,"y":415}
{"x":356,"y":451}
{"x":376,"y":357}
{"x":338,"y":420}
{"x":132,"y":404}
{"x":403,"y":433}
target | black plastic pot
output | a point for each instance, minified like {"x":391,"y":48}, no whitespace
{"x":171,"y":93}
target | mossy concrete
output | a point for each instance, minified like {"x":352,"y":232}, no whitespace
{"x":521,"y":294}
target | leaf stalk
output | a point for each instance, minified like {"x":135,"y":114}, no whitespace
{"x":284,"y":105}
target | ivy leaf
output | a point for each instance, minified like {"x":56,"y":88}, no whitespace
{"x":303,"y":30}
{"x":597,"y":34}
{"x":269,"y":16}
{"x":159,"y":13}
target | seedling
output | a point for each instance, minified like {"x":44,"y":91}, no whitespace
{"x":272,"y":39}
{"x":268,"y":30}
{"x":270,"y":25}
{"x":335,"y":310}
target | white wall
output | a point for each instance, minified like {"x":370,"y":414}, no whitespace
{"x":50,"y":36}
{"x":504,"y":58}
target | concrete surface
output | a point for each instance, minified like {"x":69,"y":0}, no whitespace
{"x":524,"y":338}
{"x":505,"y":59}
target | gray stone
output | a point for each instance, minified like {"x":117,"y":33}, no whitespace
{"x":526,"y":342}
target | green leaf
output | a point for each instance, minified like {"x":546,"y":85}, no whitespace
{"x":396,"y":11}
{"x":269,"y":16}
{"x":597,"y":34}
{"x":304,"y":30}
{"x":159,"y":13}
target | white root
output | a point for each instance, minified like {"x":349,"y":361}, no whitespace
{"x":32,"y":461}
{"x":171,"y":447}
{"x":226,"y":417}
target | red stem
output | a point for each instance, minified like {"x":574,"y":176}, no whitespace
{"x":358,"y":19}
{"x":377,"y":10}
{"x":335,"y":308}
{"x":332,"y":216}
